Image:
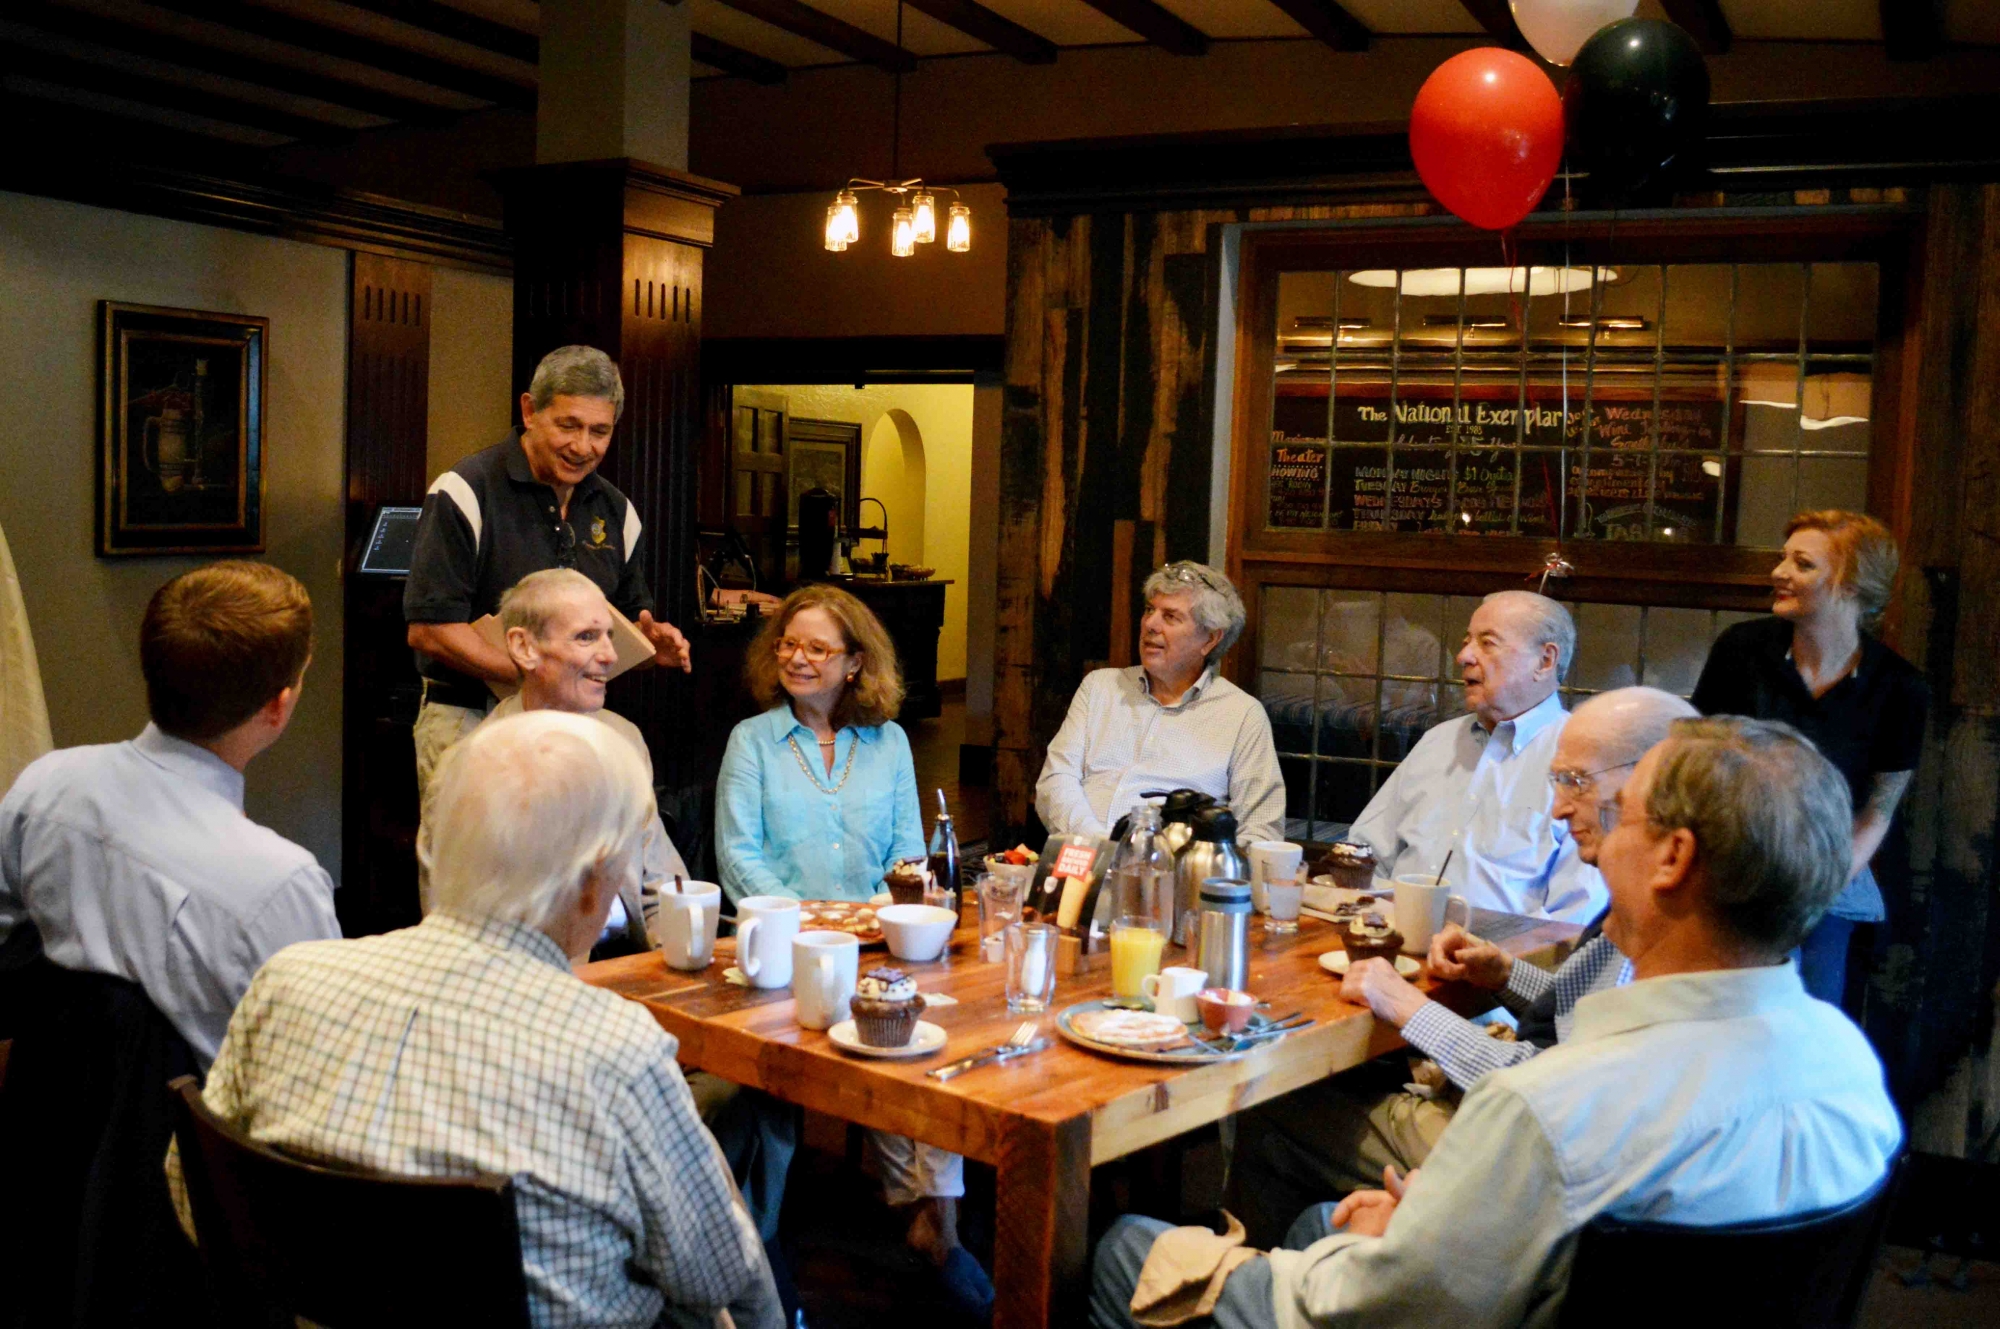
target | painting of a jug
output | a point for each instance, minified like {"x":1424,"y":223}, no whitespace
{"x":165,"y":448}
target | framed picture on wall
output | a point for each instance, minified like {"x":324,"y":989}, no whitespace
{"x":180,"y":433}
{"x":825,"y":454}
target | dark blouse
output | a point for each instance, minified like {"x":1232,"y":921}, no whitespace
{"x":1870,"y":722}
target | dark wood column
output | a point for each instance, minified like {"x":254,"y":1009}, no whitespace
{"x":609,"y":254}
{"x":388,"y":407}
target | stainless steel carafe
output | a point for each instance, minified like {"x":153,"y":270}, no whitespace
{"x":1210,"y":852}
{"x":1219,"y":936}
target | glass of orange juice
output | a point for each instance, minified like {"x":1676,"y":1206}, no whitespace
{"x":1136,"y":943}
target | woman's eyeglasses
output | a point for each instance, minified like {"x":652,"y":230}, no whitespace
{"x":816,"y":652}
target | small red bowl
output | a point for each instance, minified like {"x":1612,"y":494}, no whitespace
{"x":1225,"y":1011}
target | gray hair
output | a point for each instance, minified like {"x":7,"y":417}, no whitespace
{"x":532,"y":601}
{"x":1773,"y":824}
{"x":528,"y":807}
{"x":1547,"y":621}
{"x":1629,"y":722}
{"x":1215,"y":605}
{"x":577,"y":371}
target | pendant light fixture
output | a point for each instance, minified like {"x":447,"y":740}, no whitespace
{"x":915,"y":220}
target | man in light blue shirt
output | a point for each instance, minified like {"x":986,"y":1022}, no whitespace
{"x":1710,"y":1090}
{"x":1477,"y":788}
{"x":135,"y":859}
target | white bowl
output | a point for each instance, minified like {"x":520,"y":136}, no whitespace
{"x":916,"y":932}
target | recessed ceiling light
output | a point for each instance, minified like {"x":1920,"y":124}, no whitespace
{"x":1485,"y":281}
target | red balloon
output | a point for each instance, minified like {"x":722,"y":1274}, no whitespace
{"x":1487,"y":135}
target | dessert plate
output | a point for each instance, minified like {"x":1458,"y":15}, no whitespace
{"x":1188,"y":1052}
{"x":924,"y":1040}
{"x":1335,"y":962}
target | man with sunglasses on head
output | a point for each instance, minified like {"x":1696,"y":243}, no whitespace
{"x":1338,"y":1135}
{"x":1169,"y":722}
{"x":532,"y":501}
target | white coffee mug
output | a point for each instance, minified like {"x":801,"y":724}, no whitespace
{"x":1423,"y":905}
{"x":1172,"y":991}
{"x":1272,"y":860}
{"x":765,"y":926}
{"x":684,"y":926}
{"x":825,"y":966}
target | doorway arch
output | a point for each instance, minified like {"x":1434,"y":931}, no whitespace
{"x":893,"y":470}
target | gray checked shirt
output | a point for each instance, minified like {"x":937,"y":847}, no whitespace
{"x":1464,"y":1052}
{"x":456,"y":1047}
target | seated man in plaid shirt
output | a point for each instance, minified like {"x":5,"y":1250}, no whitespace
{"x":465,"y":1045}
{"x":1338,"y":1135}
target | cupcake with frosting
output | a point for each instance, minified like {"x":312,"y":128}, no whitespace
{"x":1373,"y":937}
{"x":908,"y":880}
{"x":885,"y":1007}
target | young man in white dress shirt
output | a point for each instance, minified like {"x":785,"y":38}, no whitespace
{"x":1709,"y":1090}
{"x":134,"y":859}
{"x":1169,"y":722}
{"x":1477,"y":788}
{"x":1338,"y":1135}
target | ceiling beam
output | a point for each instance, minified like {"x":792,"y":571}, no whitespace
{"x":109,"y":31}
{"x":735,"y":60}
{"x":1162,"y":27}
{"x":1497,"y":17}
{"x":131,"y":86}
{"x":1328,"y":21}
{"x":448,"y":21}
{"x":1913,"y":29}
{"x":443,"y":73}
{"x":1003,"y":34}
{"x":830,"y":32}
{"x":1705,"y":22}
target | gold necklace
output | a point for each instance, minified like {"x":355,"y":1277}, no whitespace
{"x":846,"y":771}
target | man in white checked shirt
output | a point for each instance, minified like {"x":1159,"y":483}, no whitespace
{"x":1337,"y":1136}
{"x":465,"y":1044}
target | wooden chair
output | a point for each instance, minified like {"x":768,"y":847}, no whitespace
{"x":1808,"y":1271}
{"x":284,"y":1238}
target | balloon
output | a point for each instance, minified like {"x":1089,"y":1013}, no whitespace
{"x":1635,"y":102}
{"x":1556,"y":28}
{"x":1487,"y":135}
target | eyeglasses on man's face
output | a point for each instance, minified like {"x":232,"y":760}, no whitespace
{"x":1578,"y":783}
{"x":1191,"y":574}
{"x":816,"y":652}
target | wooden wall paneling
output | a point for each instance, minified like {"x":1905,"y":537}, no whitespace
{"x":1976,"y":669}
{"x":388,"y":402}
{"x":1024,"y":437}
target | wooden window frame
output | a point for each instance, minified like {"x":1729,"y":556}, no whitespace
{"x":1689,"y":576}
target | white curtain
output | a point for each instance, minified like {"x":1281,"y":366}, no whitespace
{"x":24,"y":711}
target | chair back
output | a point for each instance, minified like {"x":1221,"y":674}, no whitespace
{"x":1807,"y":1271}
{"x":340,"y":1247}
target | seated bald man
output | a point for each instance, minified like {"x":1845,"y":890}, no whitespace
{"x":1710,"y":1090}
{"x":1338,"y":1135}
{"x":1476,"y":788}
{"x":558,"y":628}
{"x":465,"y":1045}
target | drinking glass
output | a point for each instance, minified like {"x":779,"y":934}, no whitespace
{"x":1283,"y":897}
{"x":999,"y":904}
{"x":1031,"y":967}
{"x":1136,"y":943}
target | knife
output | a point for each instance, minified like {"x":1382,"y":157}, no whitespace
{"x":1005,"y":1052}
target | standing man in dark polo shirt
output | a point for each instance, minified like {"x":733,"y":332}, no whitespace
{"x":529,"y":502}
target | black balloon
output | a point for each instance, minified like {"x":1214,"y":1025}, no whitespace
{"x":1634,"y":106}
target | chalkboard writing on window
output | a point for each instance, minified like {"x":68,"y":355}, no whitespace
{"x":1473,"y":465}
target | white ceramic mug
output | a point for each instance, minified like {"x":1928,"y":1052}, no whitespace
{"x":765,"y":926}
{"x":1172,"y":991}
{"x":825,"y":966}
{"x":1272,"y":860}
{"x":1424,"y":905}
{"x":684,"y":925}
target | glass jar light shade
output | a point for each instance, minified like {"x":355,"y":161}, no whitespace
{"x":924,"y":208}
{"x":903,"y":239}
{"x":847,"y":207}
{"x":836,"y":229}
{"x":958,"y":232}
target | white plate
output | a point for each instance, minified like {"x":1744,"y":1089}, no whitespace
{"x":926,"y":1039}
{"x":1335,"y":962}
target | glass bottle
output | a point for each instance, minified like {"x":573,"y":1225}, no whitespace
{"x":1142,"y":874}
{"x":944,"y":858}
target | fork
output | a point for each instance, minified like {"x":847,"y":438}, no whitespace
{"x":1023,"y":1037}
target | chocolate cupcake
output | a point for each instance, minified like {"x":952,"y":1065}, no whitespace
{"x":908,"y":880}
{"x":1350,"y":865}
{"x":1371,"y":937}
{"x":885,"y":1007}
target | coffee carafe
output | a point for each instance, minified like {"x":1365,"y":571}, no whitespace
{"x":1176,"y":812}
{"x":1210,"y":852}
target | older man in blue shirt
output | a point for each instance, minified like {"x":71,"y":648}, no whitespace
{"x":1729,"y":841}
{"x":1477,"y":788}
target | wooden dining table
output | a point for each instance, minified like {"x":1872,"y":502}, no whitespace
{"x":1043,"y":1120}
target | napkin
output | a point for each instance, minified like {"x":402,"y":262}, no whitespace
{"x":1184,"y":1273}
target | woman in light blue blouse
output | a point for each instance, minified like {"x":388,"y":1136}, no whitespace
{"x":817,"y":798}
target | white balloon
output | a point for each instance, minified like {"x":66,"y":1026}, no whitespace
{"x":1557,"y":29}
